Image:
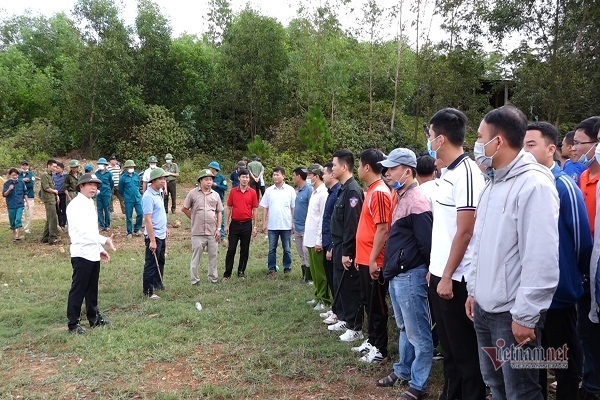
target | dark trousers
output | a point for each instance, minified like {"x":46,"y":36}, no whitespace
{"x":51,"y":226}
{"x":256,"y":186}
{"x":560,"y":328}
{"x":238,"y":232}
{"x":84,"y":285}
{"x":171,"y":192}
{"x":152,"y":279}
{"x":462,"y":376}
{"x":372,"y":294}
{"x":589,"y":334}
{"x":328,"y":265}
{"x":349,"y":291}
{"x":61,"y":210}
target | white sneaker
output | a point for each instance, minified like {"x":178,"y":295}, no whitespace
{"x":364,"y":348}
{"x":338,"y":326}
{"x":311,"y":302}
{"x":351,"y":336}
{"x":319,"y":307}
{"x":155,"y":297}
{"x":27,"y":231}
{"x":374,"y":356}
{"x":332,"y":319}
{"x":326,"y":314}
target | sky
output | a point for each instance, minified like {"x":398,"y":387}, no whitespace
{"x":190,"y":15}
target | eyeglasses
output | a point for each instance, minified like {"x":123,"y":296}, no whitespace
{"x":577,"y":143}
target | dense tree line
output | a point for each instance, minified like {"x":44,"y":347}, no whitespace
{"x":91,"y":82}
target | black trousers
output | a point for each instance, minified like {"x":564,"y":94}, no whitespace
{"x":152,"y":279}
{"x":171,"y":192}
{"x":61,"y":210}
{"x":373,"y":294}
{"x":238,"y":232}
{"x":256,"y":186}
{"x":328,"y":265}
{"x":349,"y":301}
{"x":560,"y":328}
{"x":462,"y":374}
{"x":84,"y":285}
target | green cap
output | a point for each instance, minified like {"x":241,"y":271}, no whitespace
{"x":152,"y":159}
{"x":158,"y":173}
{"x":204,"y":173}
{"x":73,"y":163}
{"x":168,"y":156}
{"x":129,"y":163}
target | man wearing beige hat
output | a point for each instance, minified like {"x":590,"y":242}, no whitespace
{"x":203,"y":206}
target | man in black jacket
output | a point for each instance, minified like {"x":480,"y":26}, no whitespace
{"x":344,"y":223}
{"x":405,"y":267}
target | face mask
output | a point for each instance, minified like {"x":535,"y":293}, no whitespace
{"x":399,"y":185}
{"x":101,"y":167}
{"x":597,"y":153}
{"x":479,"y":152}
{"x":585,"y":161}
{"x":432,"y":153}
{"x":152,"y":166}
{"x":169,"y":161}
{"x":130,"y":170}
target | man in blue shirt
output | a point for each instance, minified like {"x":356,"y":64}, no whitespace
{"x":235,"y":180}
{"x":14,"y":192}
{"x":105,"y":194}
{"x":572,"y":166}
{"x":129,"y":190}
{"x":28,"y":177}
{"x":59,"y":184}
{"x":333,"y":185}
{"x":156,"y":233}
{"x":303,"y":193}
{"x":220,"y":186}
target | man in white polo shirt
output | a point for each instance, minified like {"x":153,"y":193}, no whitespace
{"x":453,"y":219}
{"x":278,"y":209}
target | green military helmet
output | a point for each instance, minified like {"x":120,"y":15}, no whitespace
{"x":102,"y":160}
{"x":158,"y":173}
{"x":214,"y":165}
{"x":152,"y":159}
{"x":204,"y":173}
{"x":129,"y":163}
{"x":73,"y":164}
{"x":168,"y":156}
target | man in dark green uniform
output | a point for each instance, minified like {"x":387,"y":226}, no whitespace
{"x":49,"y":196}
{"x":220,"y":186}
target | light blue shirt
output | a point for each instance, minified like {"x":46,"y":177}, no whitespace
{"x":302,"y":199}
{"x":152,"y":203}
{"x":279,"y":203}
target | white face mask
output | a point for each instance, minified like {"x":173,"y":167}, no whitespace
{"x":152,"y":166}
{"x":101,"y":167}
{"x":168,"y":161}
{"x":130,"y":170}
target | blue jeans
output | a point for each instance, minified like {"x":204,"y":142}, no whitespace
{"x":506,"y":382}
{"x":139,"y":216}
{"x":286,"y":240}
{"x":408,"y":292}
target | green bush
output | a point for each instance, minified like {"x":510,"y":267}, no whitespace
{"x":41,"y":137}
{"x":260,"y":147}
{"x":315,"y":135}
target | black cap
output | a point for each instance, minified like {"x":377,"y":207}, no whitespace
{"x":24,"y":162}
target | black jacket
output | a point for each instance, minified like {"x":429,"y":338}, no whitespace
{"x":346,"y":214}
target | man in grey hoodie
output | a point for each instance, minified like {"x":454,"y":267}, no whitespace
{"x":514,"y":272}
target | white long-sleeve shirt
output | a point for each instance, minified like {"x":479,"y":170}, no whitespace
{"x":314,"y":217}
{"x":82,"y":218}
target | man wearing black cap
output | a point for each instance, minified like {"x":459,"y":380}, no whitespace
{"x":235,"y":178}
{"x":27,"y":176}
{"x":86,"y":253}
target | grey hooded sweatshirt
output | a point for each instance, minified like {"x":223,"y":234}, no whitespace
{"x":515,"y":246}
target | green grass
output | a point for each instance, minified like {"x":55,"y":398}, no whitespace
{"x":253,"y":339}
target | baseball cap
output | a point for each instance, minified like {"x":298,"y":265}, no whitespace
{"x":315,"y":169}
{"x":400,"y":156}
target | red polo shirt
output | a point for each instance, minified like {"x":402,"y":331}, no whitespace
{"x":242,"y":203}
{"x":588,"y":185}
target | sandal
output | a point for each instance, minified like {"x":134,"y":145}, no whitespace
{"x":389,"y":380}
{"x":412,"y":394}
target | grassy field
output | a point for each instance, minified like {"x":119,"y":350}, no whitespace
{"x":253,"y":339}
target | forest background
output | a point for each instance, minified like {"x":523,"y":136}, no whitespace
{"x":88,"y":85}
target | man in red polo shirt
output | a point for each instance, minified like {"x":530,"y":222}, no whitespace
{"x":242,"y":212}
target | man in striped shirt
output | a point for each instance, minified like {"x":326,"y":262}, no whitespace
{"x":115,"y":168}
{"x":454,"y":206}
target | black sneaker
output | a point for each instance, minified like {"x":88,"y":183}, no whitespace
{"x":78,"y":330}
{"x":99,"y":322}
{"x":287,"y":271}
{"x":241,"y":275}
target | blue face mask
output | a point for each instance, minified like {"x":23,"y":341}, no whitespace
{"x":397,"y":185}
{"x":587,"y":161}
{"x":432,"y":153}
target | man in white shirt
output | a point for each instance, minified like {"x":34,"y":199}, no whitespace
{"x":454,"y":206}
{"x":152,"y":163}
{"x":278,"y":209}
{"x":313,"y":236}
{"x":86,"y":253}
